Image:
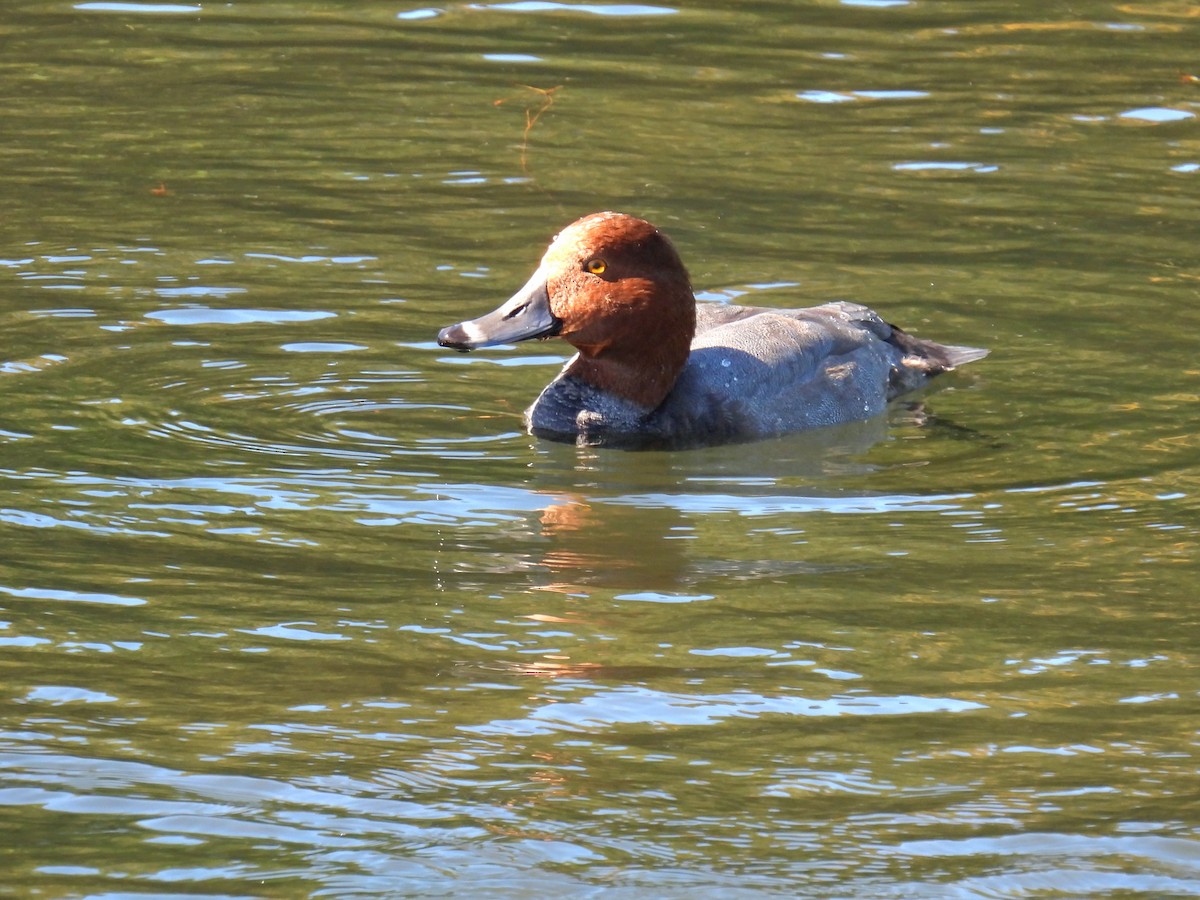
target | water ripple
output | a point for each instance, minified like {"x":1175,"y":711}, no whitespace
{"x":639,"y":705}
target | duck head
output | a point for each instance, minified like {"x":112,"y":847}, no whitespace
{"x":613,"y":287}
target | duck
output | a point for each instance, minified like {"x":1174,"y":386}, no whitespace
{"x":655,"y":368}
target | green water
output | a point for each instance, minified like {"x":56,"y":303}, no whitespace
{"x":290,"y":606}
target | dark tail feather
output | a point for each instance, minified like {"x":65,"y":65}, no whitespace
{"x":960,"y":356}
{"x":930,"y":356}
{"x":924,"y":359}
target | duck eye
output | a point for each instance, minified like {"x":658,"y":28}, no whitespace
{"x":595,"y":266}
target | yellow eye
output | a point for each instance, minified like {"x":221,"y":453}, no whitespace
{"x":596,"y":266}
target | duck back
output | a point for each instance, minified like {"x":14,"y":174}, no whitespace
{"x":755,"y":372}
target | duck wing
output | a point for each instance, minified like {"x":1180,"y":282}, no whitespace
{"x":755,"y":371}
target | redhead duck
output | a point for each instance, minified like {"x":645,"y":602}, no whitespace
{"x":655,"y":368}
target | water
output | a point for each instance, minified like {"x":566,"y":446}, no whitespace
{"x":290,"y":606}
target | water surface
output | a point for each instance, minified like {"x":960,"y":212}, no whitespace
{"x":289,"y":604}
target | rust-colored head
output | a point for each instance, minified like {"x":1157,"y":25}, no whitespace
{"x":613,"y":286}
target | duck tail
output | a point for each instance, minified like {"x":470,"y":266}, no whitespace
{"x":923,"y":359}
{"x":931,"y":357}
{"x":960,"y":356}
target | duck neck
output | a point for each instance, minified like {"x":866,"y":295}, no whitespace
{"x":639,"y":363}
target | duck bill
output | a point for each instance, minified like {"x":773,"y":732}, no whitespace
{"x":524,"y":317}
